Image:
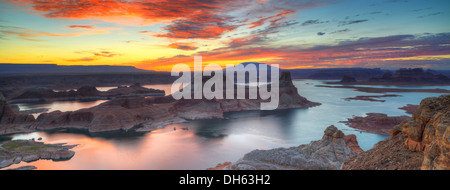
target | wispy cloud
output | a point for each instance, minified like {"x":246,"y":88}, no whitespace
{"x":344,"y":23}
{"x":312,"y":22}
{"x":380,"y":50}
{"x":94,"y":55}
{"x":33,"y":35}
{"x":81,"y":26}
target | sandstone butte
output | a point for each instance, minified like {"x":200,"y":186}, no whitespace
{"x":137,"y":113}
{"x":419,"y":142}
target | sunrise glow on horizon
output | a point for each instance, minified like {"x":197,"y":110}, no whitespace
{"x":155,"y":35}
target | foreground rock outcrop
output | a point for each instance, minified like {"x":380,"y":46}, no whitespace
{"x":16,"y":151}
{"x":326,"y":154}
{"x":420,"y":142}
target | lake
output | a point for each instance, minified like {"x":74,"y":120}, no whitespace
{"x":205,"y":143}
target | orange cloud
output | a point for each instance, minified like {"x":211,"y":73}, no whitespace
{"x":183,"y":46}
{"x":261,"y":21}
{"x":81,"y":26}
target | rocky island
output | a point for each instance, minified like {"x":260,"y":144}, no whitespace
{"x":371,"y":98}
{"x":16,"y":151}
{"x":378,"y":123}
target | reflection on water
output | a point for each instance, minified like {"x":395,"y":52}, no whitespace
{"x":204,"y":143}
{"x":59,"y":105}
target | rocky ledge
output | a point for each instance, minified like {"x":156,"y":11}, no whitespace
{"x":13,"y":152}
{"x":419,"y":142}
{"x":326,"y":154}
{"x":378,"y":123}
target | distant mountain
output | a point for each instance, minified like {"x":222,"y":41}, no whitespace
{"x":338,"y":73}
{"x":411,"y":75}
{"x":63,"y":69}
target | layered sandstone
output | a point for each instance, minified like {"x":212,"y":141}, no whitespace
{"x":137,"y":113}
{"x":325,"y":154}
{"x":11,"y":120}
{"x":378,"y":123}
{"x":420,"y":142}
{"x":85,"y":92}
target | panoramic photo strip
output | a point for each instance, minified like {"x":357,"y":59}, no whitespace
{"x":199,"y":85}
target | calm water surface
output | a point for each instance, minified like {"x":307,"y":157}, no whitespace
{"x":208,"y":142}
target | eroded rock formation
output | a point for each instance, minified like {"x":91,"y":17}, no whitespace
{"x":11,"y":120}
{"x":16,"y":151}
{"x":85,"y":92}
{"x":326,"y":154}
{"x":420,"y":142}
{"x":137,"y":113}
{"x":378,"y":123}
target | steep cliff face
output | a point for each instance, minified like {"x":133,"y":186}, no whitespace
{"x":325,"y":154}
{"x":428,"y":131}
{"x":10,"y":119}
{"x":9,"y":116}
{"x":420,"y":142}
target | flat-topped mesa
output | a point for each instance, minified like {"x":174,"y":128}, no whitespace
{"x":84,"y":92}
{"x":419,"y":142}
{"x":325,"y":154}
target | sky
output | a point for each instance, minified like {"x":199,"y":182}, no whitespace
{"x":295,"y":34}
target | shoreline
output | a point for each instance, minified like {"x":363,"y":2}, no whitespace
{"x":411,"y":84}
